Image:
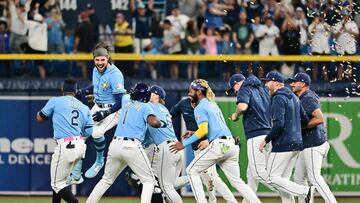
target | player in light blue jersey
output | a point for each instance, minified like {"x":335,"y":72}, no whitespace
{"x":168,"y":165}
{"x":72,"y":123}
{"x":108,"y":89}
{"x":126,"y":149}
{"x":222,"y":149}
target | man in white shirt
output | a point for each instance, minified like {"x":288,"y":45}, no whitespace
{"x":171,"y":45}
{"x":345,"y":33}
{"x":319,"y":33}
{"x":178,"y":20}
{"x":267,"y":35}
{"x":18,"y":27}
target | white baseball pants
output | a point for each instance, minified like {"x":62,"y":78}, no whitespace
{"x":66,"y":153}
{"x":219,"y":186}
{"x":308,"y":167}
{"x":279,"y":166}
{"x":124,"y":153}
{"x":225,"y":153}
{"x":100,"y":128}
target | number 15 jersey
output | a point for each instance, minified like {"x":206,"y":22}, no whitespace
{"x":70,"y":117}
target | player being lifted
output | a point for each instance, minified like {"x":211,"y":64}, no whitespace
{"x":222,"y":149}
{"x":71,"y":121}
{"x":126,"y":148}
{"x":108,"y":89}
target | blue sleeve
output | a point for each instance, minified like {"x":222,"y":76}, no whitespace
{"x":117,"y":83}
{"x":277,"y":116}
{"x":88,"y":129}
{"x":118,"y":103}
{"x":147,"y":111}
{"x":201,"y":115}
{"x":243,"y":96}
{"x":310,"y":104}
{"x":48,"y":109}
{"x":193,"y":138}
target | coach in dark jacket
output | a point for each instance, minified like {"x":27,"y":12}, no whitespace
{"x":253,"y":102}
{"x":285,"y":137}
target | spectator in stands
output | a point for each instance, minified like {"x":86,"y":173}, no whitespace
{"x":193,"y":48}
{"x":179,"y":21}
{"x":242,"y":35}
{"x":18,"y":29}
{"x":208,"y":40}
{"x":171,"y":45}
{"x":253,"y":8}
{"x":225,"y":47}
{"x":232,"y":13}
{"x":83,"y":40}
{"x":156,"y":31}
{"x":94,"y":21}
{"x":319,"y":33}
{"x":55,"y":32}
{"x":290,"y":35}
{"x":268,"y":35}
{"x":345,"y":33}
{"x":124,"y":43}
{"x":4,"y":47}
{"x":192,"y":8}
{"x":214,"y":13}
{"x":142,"y":17}
{"x":301,"y":21}
{"x":37,"y":40}
{"x":255,"y":27}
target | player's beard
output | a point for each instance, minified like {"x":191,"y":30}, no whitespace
{"x":101,"y":68}
{"x":194,"y":99}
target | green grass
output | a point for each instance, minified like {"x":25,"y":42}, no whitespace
{"x":135,"y":200}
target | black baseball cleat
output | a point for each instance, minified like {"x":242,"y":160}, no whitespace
{"x":310,"y":195}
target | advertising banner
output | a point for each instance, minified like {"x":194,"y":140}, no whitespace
{"x":341,"y":169}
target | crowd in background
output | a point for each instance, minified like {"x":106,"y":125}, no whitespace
{"x":211,"y":27}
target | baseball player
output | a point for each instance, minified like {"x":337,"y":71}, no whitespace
{"x":108,"y":89}
{"x":285,"y":137}
{"x":71,"y":122}
{"x":186,"y":108}
{"x":126,"y":149}
{"x":222,"y":149}
{"x":308,"y":165}
{"x":169,"y":164}
{"x":253,"y":103}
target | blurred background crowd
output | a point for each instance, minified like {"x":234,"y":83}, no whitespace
{"x":194,"y":27}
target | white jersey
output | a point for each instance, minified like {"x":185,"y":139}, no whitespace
{"x":346,"y":42}
{"x":267,"y":44}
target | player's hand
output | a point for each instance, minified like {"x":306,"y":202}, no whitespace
{"x":178,"y":146}
{"x":262,"y":146}
{"x":237,"y":140}
{"x":187,"y":134}
{"x":203,"y":144}
{"x":98,"y":116}
{"x":234,"y":117}
{"x":90,"y":98}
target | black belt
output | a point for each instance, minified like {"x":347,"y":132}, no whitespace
{"x":124,"y":138}
{"x":104,"y":105}
{"x":170,"y":141}
{"x":224,"y":137}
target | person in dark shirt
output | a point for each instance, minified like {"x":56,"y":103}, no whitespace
{"x":214,"y":182}
{"x":314,"y":138}
{"x":285,"y":136}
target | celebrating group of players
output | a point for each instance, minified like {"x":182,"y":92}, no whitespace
{"x":282,"y":129}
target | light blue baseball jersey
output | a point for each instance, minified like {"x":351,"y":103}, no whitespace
{"x":70,"y":117}
{"x":133,"y":120}
{"x":159,"y":135}
{"x":108,"y":83}
{"x":207,"y":111}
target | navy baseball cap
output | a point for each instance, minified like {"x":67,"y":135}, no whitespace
{"x":156,"y":89}
{"x":69,"y":85}
{"x":233,"y":80}
{"x":274,"y":76}
{"x":301,"y":77}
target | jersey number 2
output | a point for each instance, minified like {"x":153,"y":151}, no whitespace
{"x":75,"y":114}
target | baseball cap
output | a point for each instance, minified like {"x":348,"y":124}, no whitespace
{"x":233,"y":80}
{"x":274,"y":76}
{"x":69,"y":85}
{"x":120,"y":15}
{"x":301,"y":77}
{"x":141,"y":5}
{"x":156,"y":89}
{"x":299,"y":9}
